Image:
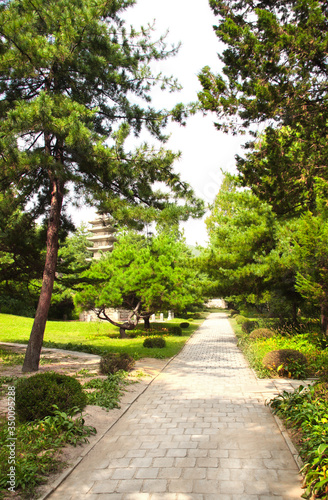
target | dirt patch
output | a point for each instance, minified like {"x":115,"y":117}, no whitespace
{"x":85,"y":366}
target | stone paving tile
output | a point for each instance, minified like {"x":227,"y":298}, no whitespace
{"x":200,"y":431}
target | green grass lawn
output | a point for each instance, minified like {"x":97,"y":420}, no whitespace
{"x":94,"y":337}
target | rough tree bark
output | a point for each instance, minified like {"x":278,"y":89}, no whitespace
{"x":33,"y":352}
{"x":147,"y":322}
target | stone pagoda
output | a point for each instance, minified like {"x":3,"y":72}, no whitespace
{"x":103,"y":236}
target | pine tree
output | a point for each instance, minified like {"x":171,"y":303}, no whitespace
{"x":248,"y":257}
{"x":274,"y":74}
{"x":73,"y":82}
{"x":142,"y":275}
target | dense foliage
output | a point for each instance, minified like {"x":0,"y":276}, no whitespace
{"x":269,"y":78}
{"x":37,"y":395}
{"x":305,"y":413}
{"x":307,"y":343}
{"x":37,"y":449}
{"x":250,"y":253}
{"x":144,"y":276}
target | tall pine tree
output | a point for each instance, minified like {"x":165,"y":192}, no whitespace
{"x":274,"y":74}
{"x":73,"y":82}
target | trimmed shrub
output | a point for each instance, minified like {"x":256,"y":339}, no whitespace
{"x":261,"y":333}
{"x":176,"y":330}
{"x":240,"y":319}
{"x":113,"y":362}
{"x":36,"y":395}
{"x":233,"y":312}
{"x":185,"y":324}
{"x":248,"y":326}
{"x":154,"y":342}
{"x":286,"y":362}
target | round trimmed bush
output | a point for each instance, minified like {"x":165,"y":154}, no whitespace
{"x":35,"y":395}
{"x":248,"y":325}
{"x":176,"y":330}
{"x":184,"y":324}
{"x":261,"y":333}
{"x":113,"y":362}
{"x":286,"y":362}
{"x":154,"y":342}
{"x":240,"y":319}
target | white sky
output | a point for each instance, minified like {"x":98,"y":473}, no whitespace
{"x":204,"y":150}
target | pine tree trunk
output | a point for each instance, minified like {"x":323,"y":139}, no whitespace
{"x":123,"y":334}
{"x":147,"y":322}
{"x":33,"y":352}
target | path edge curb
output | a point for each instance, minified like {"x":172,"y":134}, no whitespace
{"x":283,"y":430}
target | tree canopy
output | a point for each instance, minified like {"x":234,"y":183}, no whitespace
{"x":22,"y":249}
{"x":143,"y":275}
{"x":274,"y":75}
{"x":248,"y":254}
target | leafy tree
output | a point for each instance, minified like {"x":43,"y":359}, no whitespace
{"x":248,"y":255}
{"x":275,"y":73}
{"x":73,"y":260}
{"x":142,"y":275}
{"x":310,"y":253}
{"x":281,"y":162}
{"x":21,"y":257}
{"x":73,"y":82}
{"x":240,"y":230}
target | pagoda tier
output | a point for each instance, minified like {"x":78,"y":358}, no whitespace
{"x":103,"y":238}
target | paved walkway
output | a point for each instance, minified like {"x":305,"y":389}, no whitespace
{"x":200,"y":431}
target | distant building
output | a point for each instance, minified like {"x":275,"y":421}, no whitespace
{"x":103,"y":236}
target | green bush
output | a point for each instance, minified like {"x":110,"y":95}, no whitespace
{"x":286,"y":363}
{"x":184,"y":324}
{"x":113,"y":362}
{"x":154,"y":342}
{"x":261,"y":333}
{"x":240,"y":319}
{"x":16,"y":306}
{"x":248,"y":325}
{"x":305,"y":411}
{"x":36,"y":395}
{"x":176,"y":330}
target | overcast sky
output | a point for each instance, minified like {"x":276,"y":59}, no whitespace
{"x":204,"y":150}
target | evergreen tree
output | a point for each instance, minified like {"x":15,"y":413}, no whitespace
{"x":73,"y":82}
{"x":248,"y":257}
{"x":22,"y":251}
{"x":309,"y":248}
{"x":143,"y":275}
{"x":275,"y":73}
{"x":73,"y":259}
